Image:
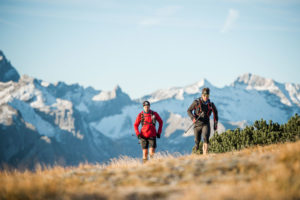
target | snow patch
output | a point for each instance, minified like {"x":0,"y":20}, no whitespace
{"x":178,"y":92}
{"x":63,"y":104}
{"x":30,"y":126}
{"x":30,"y":116}
{"x":46,"y":139}
{"x":6,"y":90}
{"x":194,"y":88}
{"x":176,"y":122}
{"x":240,"y":124}
{"x":64,"y":115}
{"x":6,"y":115}
{"x":45,"y":84}
{"x":113,"y":126}
{"x":294,"y":92}
{"x":105,"y":96}
{"x":110,"y":126}
{"x":39,"y":102}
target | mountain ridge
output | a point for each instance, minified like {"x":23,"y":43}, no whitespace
{"x":77,"y":123}
{"x":7,"y":71}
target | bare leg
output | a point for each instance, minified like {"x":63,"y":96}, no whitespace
{"x":145,"y":154}
{"x":152,"y":152}
{"x":205,"y":148}
{"x":205,"y":133}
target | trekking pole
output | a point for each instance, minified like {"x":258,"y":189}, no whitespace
{"x":190,"y":126}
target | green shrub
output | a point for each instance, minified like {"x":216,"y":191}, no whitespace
{"x":260,"y":133}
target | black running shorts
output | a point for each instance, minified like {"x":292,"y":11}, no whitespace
{"x":148,"y":142}
{"x":203,"y":130}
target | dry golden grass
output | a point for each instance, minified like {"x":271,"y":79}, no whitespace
{"x":270,"y":172}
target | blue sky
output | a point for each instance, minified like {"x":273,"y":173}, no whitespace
{"x":148,"y":45}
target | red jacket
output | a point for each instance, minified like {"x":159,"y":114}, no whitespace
{"x":148,"y":130}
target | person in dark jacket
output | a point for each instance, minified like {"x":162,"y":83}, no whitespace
{"x":200,"y":111}
{"x":147,"y":136}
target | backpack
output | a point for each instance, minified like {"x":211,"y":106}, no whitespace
{"x":152,"y":117}
{"x":199,"y":106}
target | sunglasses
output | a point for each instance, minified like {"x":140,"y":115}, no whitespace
{"x":206,"y":95}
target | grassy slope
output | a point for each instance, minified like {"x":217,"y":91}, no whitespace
{"x":270,"y":172}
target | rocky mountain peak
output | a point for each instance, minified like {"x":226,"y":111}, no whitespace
{"x":109,"y":95}
{"x":7,"y":71}
{"x":252,"y":81}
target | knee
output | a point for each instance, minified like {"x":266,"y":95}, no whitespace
{"x":152,"y":151}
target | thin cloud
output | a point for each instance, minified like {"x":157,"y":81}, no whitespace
{"x":160,"y":16}
{"x":232,"y":17}
{"x":168,"y":11}
{"x":74,"y":15}
{"x":150,"y":22}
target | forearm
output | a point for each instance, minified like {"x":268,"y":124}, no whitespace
{"x":136,"y":129}
{"x":215,"y":112}
{"x":190,"y":111}
{"x":160,"y":124}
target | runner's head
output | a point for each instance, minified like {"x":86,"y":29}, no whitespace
{"x":205,"y":94}
{"x":146,"y":105}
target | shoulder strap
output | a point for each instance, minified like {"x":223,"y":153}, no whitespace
{"x":142,"y":118}
{"x":209,"y":106}
{"x":152,"y":117}
{"x":198,"y":100}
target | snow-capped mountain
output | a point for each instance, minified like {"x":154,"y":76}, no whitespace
{"x":177,"y":92}
{"x":68,"y":124}
{"x":49,"y":124}
{"x":288,"y":92}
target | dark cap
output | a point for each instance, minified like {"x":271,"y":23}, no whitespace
{"x":205,"y":91}
{"x":146,"y":103}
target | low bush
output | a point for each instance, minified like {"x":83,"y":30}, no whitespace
{"x":260,"y":133}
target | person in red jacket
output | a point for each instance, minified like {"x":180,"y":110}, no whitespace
{"x":147,"y":135}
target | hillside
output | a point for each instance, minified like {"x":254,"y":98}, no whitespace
{"x":269,"y":172}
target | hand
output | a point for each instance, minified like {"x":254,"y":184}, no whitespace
{"x":194,"y":120}
{"x":215,"y":125}
{"x":158,"y":135}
